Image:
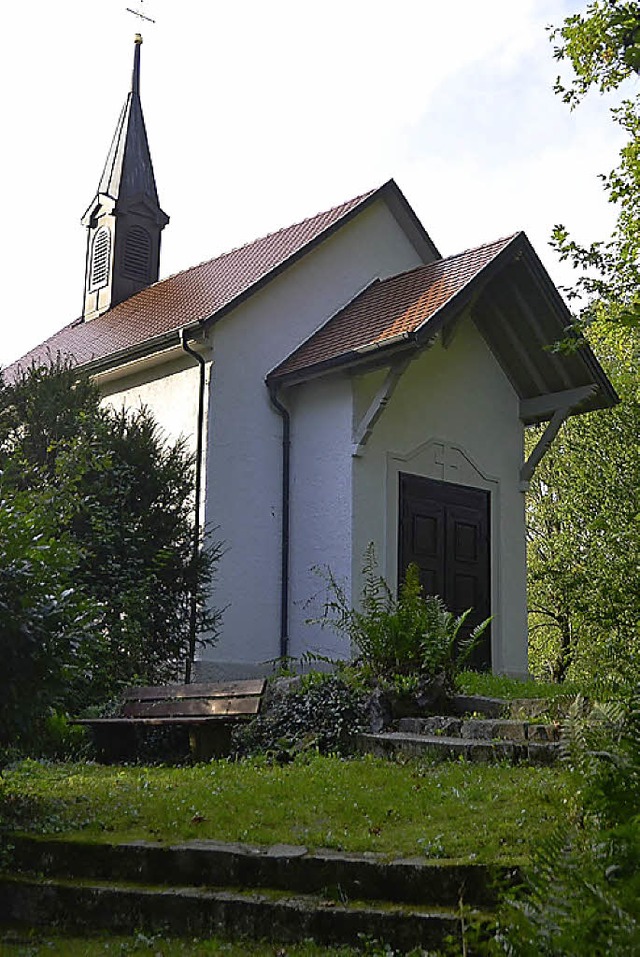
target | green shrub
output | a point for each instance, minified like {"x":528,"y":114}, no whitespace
{"x":62,"y":741}
{"x":41,"y":617}
{"x":319,"y":712}
{"x":582,"y":892}
{"x":99,"y":509}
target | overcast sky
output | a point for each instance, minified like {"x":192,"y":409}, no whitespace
{"x":262,"y":113}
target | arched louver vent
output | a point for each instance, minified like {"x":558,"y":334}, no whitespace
{"x":100,"y":258}
{"x":137,"y":254}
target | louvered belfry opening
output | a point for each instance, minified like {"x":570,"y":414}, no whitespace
{"x":136,"y":262}
{"x":100,"y":258}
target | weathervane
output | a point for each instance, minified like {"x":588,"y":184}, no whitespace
{"x":138,"y":12}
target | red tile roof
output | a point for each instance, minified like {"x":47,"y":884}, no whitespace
{"x":390,"y":309}
{"x":188,"y":297}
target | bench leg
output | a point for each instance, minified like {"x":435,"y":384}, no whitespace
{"x":114,"y":745}
{"x":208,"y":741}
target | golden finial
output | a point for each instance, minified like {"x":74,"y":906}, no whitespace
{"x":138,"y":38}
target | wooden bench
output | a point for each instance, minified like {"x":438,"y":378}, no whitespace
{"x":209,"y":712}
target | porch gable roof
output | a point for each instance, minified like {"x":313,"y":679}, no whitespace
{"x":510,"y":297}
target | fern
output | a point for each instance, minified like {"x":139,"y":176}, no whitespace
{"x":582,"y":893}
{"x":408,"y":634}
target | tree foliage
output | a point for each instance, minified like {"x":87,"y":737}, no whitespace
{"x":118,"y":523}
{"x":42,"y":619}
{"x":583,"y":527}
{"x":582,"y":892}
{"x":602,"y":47}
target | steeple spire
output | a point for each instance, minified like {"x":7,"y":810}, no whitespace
{"x":135,"y":74}
{"x":125,"y":220}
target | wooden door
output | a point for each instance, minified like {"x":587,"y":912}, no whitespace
{"x":444,"y":529}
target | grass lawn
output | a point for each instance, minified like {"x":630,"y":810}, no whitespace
{"x":455,"y":810}
{"x":500,"y":686}
{"x":41,"y":944}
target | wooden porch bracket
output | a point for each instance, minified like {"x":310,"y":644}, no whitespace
{"x":561,"y":404}
{"x":365,"y":427}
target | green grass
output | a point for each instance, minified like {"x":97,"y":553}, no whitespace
{"x":20,"y":943}
{"x":500,"y":686}
{"x":455,"y":810}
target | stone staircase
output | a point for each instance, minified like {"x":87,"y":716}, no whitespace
{"x":282,"y":893}
{"x":477,"y":732}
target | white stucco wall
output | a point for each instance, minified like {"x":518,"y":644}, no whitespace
{"x":169,"y":389}
{"x":454,"y":417}
{"x":321,"y":510}
{"x":244,"y":460}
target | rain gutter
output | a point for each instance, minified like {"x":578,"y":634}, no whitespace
{"x":283,"y":412}
{"x":197,"y":519}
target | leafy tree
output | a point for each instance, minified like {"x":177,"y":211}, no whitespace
{"x":122,"y":498}
{"x":602,"y":47}
{"x":41,"y":617}
{"x":583,"y":526}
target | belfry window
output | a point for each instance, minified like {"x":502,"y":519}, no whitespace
{"x":100,"y":255}
{"x":137,"y":254}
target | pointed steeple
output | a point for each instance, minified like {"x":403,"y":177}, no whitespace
{"x":125,"y":220}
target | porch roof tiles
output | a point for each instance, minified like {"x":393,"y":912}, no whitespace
{"x":388,"y":310}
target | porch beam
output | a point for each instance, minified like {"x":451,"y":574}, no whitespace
{"x":543,"y":405}
{"x":501,"y":331}
{"x":538,"y":331}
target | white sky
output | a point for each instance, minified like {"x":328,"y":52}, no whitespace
{"x":260,"y":114}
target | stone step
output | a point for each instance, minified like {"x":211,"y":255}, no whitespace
{"x":443,"y":747}
{"x":491,"y":729}
{"x":368,"y":876}
{"x":202,"y":912}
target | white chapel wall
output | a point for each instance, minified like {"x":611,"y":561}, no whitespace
{"x":244,"y":457}
{"x":454,"y":417}
{"x":169,"y":389}
{"x":321,"y":509}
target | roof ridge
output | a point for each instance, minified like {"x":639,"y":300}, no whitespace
{"x":474,"y":249}
{"x":435,"y":263}
{"x":356,"y":200}
{"x":438,"y":263}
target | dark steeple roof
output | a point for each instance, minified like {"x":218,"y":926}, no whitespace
{"x":128,"y":171}
{"x":124,"y":221}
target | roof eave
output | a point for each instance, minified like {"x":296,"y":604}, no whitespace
{"x":541,"y":275}
{"x":142,"y":350}
{"x":369,"y":358}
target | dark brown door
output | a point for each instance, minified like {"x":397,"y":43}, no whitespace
{"x":444,"y":529}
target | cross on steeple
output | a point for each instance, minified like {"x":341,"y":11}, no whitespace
{"x":139,"y":12}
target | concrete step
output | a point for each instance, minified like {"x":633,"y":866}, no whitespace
{"x":442,"y":747}
{"x":200,"y":912}
{"x":288,"y":868}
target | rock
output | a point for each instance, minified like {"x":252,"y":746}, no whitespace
{"x":432,"y":695}
{"x":378,"y":710}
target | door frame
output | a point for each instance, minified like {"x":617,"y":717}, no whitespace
{"x":442,"y":460}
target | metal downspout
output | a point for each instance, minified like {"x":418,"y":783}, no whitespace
{"x":284,"y":540}
{"x":197,"y":522}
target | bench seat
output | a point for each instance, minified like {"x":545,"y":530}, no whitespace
{"x":208,"y":710}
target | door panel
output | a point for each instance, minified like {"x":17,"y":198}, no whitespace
{"x":444,"y":529}
{"x":422,"y":536}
